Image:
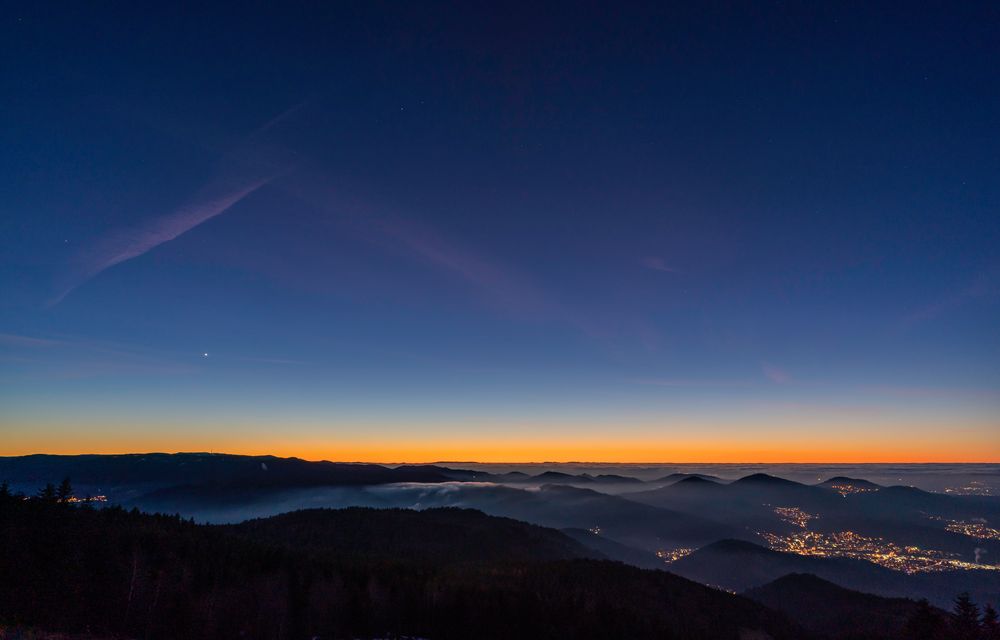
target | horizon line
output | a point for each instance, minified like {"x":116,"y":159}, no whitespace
{"x":538,"y":462}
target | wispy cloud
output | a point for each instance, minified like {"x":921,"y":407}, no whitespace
{"x":986,"y":285}
{"x":492,"y":282}
{"x":658,"y":264}
{"x":933,"y":392}
{"x":14,"y":340}
{"x":487,"y":278}
{"x":280,"y":361}
{"x":503,"y":288}
{"x":125,"y":245}
{"x":74,"y":357}
{"x":688,"y":382}
{"x":775,"y":374}
{"x":241,"y":173}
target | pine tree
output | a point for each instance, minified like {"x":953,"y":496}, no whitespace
{"x":65,"y":491}
{"x":924,"y":624}
{"x":48,"y":493}
{"x":5,"y":494}
{"x":965,"y":618}
{"x":991,"y":623}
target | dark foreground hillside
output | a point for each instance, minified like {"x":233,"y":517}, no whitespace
{"x":433,"y":536}
{"x":827,"y":609}
{"x":126,"y":574}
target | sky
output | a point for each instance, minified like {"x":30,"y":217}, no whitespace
{"x":544,"y":232}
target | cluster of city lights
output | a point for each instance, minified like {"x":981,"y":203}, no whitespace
{"x":794,"y":515}
{"x":847,"y":544}
{"x":973,"y":488}
{"x":87,"y":499}
{"x":974,"y":529}
{"x":844,"y":489}
{"x":673,"y":555}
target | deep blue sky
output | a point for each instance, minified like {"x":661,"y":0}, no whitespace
{"x":491,"y":231}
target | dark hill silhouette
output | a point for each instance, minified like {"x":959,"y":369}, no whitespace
{"x":674,"y":477}
{"x":738,"y":565}
{"x":904,"y":515}
{"x":162,"y":470}
{"x":622,"y":520}
{"x":438,"y":536}
{"x":912,"y":504}
{"x":512,"y":476}
{"x":611,"y":478}
{"x":831,"y":610}
{"x":696,"y":481}
{"x":764,"y":479}
{"x":557,"y":476}
{"x":615,"y":550}
{"x":782,"y":492}
{"x":748,"y":503}
{"x":551,"y":505}
{"x":678,"y":493}
{"x":459,"y":475}
{"x":853,"y":482}
{"x":126,"y":574}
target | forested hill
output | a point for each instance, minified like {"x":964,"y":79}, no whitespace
{"x":147,"y":470}
{"x":823,"y":607}
{"x":433,"y":536}
{"x":133,"y":575}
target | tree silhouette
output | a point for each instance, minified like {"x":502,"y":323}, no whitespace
{"x":48,"y":493}
{"x":965,"y":618}
{"x":924,"y":624}
{"x":65,"y":490}
{"x":991,"y":623}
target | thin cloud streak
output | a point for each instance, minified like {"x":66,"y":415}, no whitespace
{"x":495,"y":284}
{"x":775,"y":374}
{"x":119,"y":247}
{"x":244,"y":171}
{"x":932,"y":393}
{"x":688,"y":383}
{"x":504,"y":289}
{"x":18,"y":341}
{"x":985,"y":286}
{"x":658,"y":264}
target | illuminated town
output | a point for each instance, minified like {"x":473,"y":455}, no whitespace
{"x":844,"y":489}
{"x":672,"y":555}
{"x":794,"y":515}
{"x":973,"y":488}
{"x":74,"y":499}
{"x":975,"y":529}
{"x":847,"y":544}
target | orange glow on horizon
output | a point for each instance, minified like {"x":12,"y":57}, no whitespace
{"x":623,"y":452}
{"x":889,"y":442}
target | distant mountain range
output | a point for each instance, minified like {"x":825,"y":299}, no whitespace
{"x":712,"y":530}
{"x":113,"y":474}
